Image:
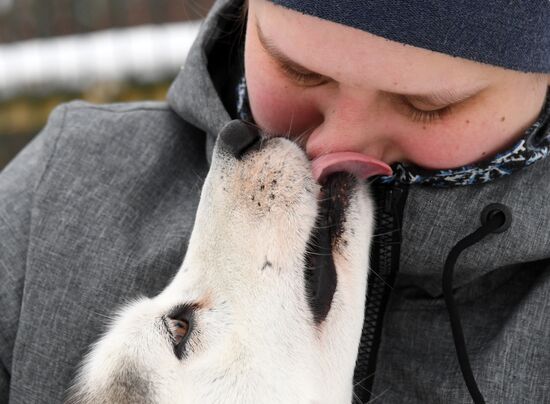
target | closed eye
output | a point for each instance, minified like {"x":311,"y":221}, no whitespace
{"x":424,"y":116}
{"x":419,"y":115}
{"x":309,"y":79}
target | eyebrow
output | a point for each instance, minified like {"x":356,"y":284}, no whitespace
{"x":279,"y":56}
{"x":434,"y":99}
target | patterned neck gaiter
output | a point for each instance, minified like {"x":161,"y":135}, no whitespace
{"x":533,"y":146}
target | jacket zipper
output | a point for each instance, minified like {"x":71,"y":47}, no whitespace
{"x":384,"y":265}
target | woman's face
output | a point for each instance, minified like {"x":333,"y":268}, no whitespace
{"x":336,"y":88}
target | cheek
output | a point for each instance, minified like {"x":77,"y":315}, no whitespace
{"x":455,"y":144}
{"x":489,"y":125}
{"x":278,"y":107}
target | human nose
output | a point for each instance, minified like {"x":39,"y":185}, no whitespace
{"x":356,"y":124}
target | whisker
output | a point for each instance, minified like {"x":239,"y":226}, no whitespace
{"x":364,"y":388}
{"x":385,"y":233}
{"x":365,"y":378}
{"x":319,"y":254}
{"x":356,"y":397}
{"x":301,"y":137}
{"x":290,"y":125}
{"x":324,"y":227}
{"x":379,"y":395}
{"x":380,"y":277}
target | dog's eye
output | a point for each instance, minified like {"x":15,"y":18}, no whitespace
{"x":181,"y":328}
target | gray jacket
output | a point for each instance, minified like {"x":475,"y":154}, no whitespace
{"x":99,"y":207}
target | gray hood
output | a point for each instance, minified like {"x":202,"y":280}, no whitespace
{"x":193,"y":95}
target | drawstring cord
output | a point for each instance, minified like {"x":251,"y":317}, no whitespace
{"x":495,"y":218}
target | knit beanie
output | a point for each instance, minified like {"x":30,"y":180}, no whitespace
{"x":514,"y":34}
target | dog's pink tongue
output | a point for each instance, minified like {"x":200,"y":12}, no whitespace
{"x":354,"y":163}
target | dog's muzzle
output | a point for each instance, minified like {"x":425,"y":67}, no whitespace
{"x":238,"y":138}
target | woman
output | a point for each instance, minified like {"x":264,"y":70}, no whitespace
{"x":452,"y":97}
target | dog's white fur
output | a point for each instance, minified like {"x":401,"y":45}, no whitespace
{"x":254,"y":339}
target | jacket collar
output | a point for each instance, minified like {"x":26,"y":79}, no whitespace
{"x":193,"y":95}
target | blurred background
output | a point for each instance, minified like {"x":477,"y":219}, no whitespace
{"x":52,"y":51}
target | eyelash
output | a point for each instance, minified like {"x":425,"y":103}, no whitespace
{"x":302,"y":78}
{"x":418,"y":115}
{"x":415,"y":114}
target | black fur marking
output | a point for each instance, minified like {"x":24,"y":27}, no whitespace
{"x":320,"y":274}
{"x":267,"y":264}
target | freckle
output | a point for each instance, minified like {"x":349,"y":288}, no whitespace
{"x":274,"y":182}
{"x":467,"y":121}
{"x":252,"y":197}
{"x":272,"y":196}
{"x":262,"y":187}
{"x":484,"y":153}
{"x":259,"y":204}
{"x":502,"y":119}
{"x":424,"y":127}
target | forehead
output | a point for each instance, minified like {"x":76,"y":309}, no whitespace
{"x":358,"y":58}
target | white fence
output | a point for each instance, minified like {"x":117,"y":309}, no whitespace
{"x":144,"y":53}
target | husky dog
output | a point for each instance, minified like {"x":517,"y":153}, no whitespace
{"x":267,"y":306}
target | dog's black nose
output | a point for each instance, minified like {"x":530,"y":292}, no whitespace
{"x":237,"y":137}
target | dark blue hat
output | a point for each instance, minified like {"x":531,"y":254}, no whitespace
{"x":513,"y":34}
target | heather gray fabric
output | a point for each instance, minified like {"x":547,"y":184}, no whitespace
{"x":99,"y":207}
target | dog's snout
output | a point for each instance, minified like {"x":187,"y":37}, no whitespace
{"x":237,"y":137}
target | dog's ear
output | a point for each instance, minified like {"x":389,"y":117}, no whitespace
{"x":238,"y":137}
